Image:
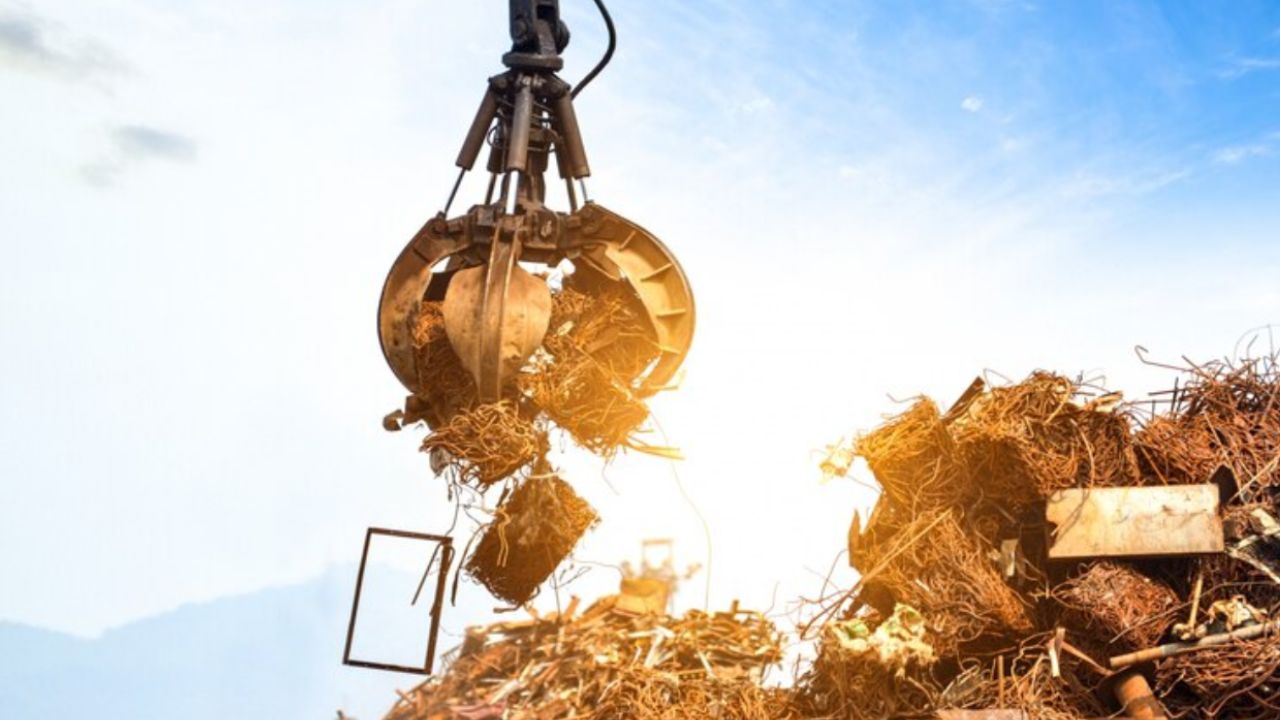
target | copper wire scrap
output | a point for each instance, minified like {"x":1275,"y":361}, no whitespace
{"x":532,"y":532}
{"x":596,"y":349}
{"x":916,"y":461}
{"x":488,"y":443}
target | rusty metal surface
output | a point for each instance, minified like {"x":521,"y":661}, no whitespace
{"x":1134,"y":521}
{"x":1135,"y":696}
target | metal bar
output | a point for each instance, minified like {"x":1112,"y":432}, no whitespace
{"x":456,"y":184}
{"x":355,"y":601}
{"x":446,"y":559}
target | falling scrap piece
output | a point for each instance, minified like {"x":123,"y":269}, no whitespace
{"x":1134,"y":522}
{"x":533,"y":531}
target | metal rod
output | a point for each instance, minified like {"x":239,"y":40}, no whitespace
{"x":446,"y":560}
{"x":1171,"y":649}
{"x":573,"y":196}
{"x":488,"y":194}
{"x":355,"y":601}
{"x":456,"y":184}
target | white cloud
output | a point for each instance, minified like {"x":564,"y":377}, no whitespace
{"x":27,"y":44}
{"x":1090,"y":185}
{"x":1236,"y":154}
{"x":972,"y":104}
{"x":1239,"y":67}
{"x":1014,"y":144}
{"x":135,"y":144}
{"x":759,"y":103}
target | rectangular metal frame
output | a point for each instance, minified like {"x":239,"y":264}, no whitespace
{"x":446,"y":559}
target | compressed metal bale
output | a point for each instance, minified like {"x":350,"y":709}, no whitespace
{"x":1113,"y":605}
{"x":534,"y":530}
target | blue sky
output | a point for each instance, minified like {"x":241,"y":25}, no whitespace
{"x":199,"y":202}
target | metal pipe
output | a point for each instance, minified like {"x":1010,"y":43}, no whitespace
{"x":521,"y":127}
{"x":1171,"y":649}
{"x":571,"y":138}
{"x":479,"y":129}
{"x":1135,"y":696}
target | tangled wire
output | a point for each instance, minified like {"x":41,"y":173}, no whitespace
{"x":1028,"y":440}
{"x":488,"y":443}
{"x":1117,"y":607}
{"x":596,"y":350}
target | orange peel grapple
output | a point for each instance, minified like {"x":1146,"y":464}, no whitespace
{"x":496,"y":312}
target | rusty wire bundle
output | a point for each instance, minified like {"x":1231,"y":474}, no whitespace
{"x":916,"y":460}
{"x":932,"y":564}
{"x":1116,"y":608}
{"x":1238,"y":680}
{"x":868,"y":678}
{"x":584,"y":379}
{"x":607,"y":664}
{"x":488,"y":443}
{"x":1026,"y":682}
{"x":448,"y":388}
{"x":533,"y":530}
{"x":1229,"y":410}
{"x":1026,"y":441}
{"x":596,"y":349}
{"x":1173,"y":450}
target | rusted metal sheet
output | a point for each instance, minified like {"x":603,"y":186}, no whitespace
{"x":1134,"y":522}
{"x":981,"y":715}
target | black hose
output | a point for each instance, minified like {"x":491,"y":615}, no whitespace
{"x":608,"y":53}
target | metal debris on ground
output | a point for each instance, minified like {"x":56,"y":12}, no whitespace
{"x":605,"y":664}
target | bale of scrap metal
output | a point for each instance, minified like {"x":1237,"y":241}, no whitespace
{"x":532,"y":532}
{"x":1115,"y":608}
{"x":608,"y":664}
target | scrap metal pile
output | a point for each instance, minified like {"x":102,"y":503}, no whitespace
{"x":1044,"y":548}
{"x":610,"y":662}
